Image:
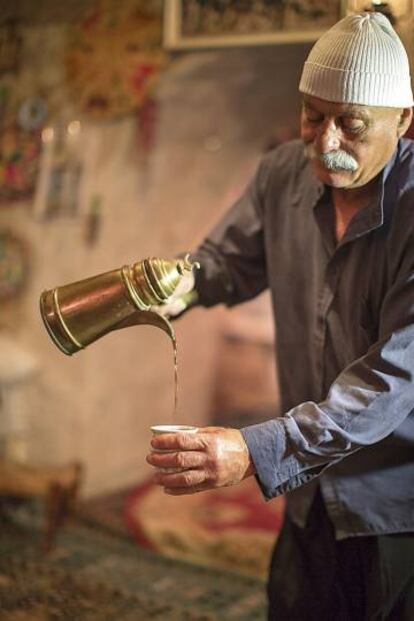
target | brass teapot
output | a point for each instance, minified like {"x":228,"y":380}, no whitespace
{"x":80,"y":313}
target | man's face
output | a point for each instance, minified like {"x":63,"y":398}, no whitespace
{"x":348,"y":145}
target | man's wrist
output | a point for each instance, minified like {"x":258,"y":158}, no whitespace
{"x":250,"y":468}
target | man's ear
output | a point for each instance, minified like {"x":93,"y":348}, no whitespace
{"x":404,"y":121}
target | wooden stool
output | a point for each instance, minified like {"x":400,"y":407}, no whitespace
{"x":58,"y":485}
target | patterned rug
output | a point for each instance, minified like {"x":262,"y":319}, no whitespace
{"x":91,"y":575}
{"x":231,"y":528}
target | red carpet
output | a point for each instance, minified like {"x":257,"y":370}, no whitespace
{"x":232,"y":528}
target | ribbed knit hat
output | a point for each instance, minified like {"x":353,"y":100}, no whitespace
{"x":360,"y":60}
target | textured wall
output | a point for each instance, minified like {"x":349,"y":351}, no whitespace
{"x":217,"y":111}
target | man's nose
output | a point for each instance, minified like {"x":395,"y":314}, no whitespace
{"x":329,"y":137}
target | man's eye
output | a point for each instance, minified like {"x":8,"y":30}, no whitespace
{"x":313,"y":119}
{"x":353,"y":125}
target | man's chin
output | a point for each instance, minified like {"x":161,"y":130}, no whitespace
{"x":334,"y":178}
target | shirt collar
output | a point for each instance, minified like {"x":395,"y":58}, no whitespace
{"x":314,"y":194}
{"x":371,"y":217}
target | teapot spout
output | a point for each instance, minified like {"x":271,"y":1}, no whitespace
{"x":148,"y":318}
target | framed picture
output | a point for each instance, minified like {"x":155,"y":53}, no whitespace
{"x":192,"y":24}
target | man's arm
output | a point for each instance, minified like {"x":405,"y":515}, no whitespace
{"x":231,"y":259}
{"x":366,"y":403}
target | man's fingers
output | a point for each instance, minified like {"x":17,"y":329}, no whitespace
{"x":182,"y":491}
{"x":171,"y":309}
{"x":183,"y":459}
{"x":178,"y":441}
{"x":186,"y":479}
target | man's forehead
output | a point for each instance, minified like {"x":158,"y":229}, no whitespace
{"x":335,"y":107}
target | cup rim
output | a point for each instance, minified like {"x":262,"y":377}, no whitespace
{"x":158,"y":429}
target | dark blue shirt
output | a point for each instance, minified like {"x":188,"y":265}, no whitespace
{"x":344,"y":323}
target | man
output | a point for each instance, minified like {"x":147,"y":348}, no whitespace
{"x":328,"y":225}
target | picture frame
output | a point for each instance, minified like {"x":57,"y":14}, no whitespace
{"x":192,"y":24}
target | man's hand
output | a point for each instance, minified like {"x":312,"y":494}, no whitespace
{"x":183,"y":297}
{"x":212,"y":457}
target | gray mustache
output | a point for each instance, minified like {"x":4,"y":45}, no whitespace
{"x":334,"y":160}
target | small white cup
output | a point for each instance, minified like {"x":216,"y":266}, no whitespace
{"x":158,"y":430}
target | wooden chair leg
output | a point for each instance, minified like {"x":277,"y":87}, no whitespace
{"x":54,"y":514}
{"x":60,"y":504}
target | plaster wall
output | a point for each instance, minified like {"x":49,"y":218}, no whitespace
{"x":216,"y":112}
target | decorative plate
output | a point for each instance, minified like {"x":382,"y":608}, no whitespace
{"x":32,"y":113}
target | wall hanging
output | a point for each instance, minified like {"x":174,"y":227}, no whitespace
{"x":13,"y":265}
{"x":61,"y":171}
{"x":19,"y":158}
{"x":114,"y":58}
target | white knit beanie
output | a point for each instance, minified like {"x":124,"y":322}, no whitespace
{"x":360,"y":60}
